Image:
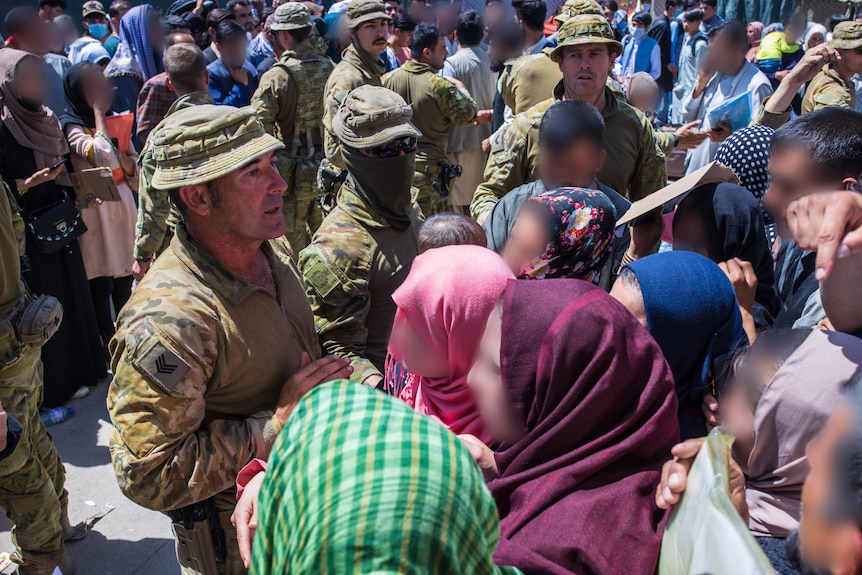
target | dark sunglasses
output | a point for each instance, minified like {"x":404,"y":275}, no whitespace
{"x":401,"y":146}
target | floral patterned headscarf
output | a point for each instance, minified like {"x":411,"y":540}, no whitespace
{"x":581,"y":229}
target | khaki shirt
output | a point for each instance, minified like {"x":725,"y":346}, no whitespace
{"x":528,"y":80}
{"x":12,"y":243}
{"x":635,"y":163}
{"x":828,"y":89}
{"x":199,"y":359}
{"x":437,"y":104}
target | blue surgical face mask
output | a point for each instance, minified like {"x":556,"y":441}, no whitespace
{"x":98,"y":30}
{"x":638,"y":33}
{"x":646,"y":7}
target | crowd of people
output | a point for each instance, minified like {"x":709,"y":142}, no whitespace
{"x":303,"y":241}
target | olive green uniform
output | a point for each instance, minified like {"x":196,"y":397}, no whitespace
{"x":200,"y":355}
{"x":437,"y":105}
{"x":157,"y":218}
{"x":528,"y":80}
{"x":32,"y":476}
{"x":289,"y":103}
{"x":828,"y":89}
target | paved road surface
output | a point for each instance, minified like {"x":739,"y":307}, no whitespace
{"x":130,"y":540}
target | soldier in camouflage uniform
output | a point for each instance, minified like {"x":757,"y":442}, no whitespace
{"x":833,"y":86}
{"x":360,"y":65}
{"x":186,"y":69}
{"x":438,"y":103}
{"x":635,"y":163}
{"x":213,"y":348}
{"x":365,"y":246}
{"x":31,"y":473}
{"x":289,"y":103}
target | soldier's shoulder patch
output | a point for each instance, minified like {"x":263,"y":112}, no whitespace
{"x":157,"y":360}
{"x":321,"y":278}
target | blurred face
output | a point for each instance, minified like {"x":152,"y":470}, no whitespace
{"x":690,"y":28}
{"x":792,"y":175}
{"x":815,"y":40}
{"x":575,"y":166}
{"x":447,"y":19}
{"x":827,"y":546}
{"x":372,"y":36}
{"x":528,"y":240}
{"x":724,"y":56}
{"x":438,"y":57}
{"x":631,"y":297}
{"x":486,"y":382}
{"x":30,"y":83}
{"x":233,"y":51}
{"x":708,"y":11}
{"x":96,"y":88}
{"x":585,"y":70}
{"x":688,"y":233}
{"x":495,"y":13}
{"x":38,"y":35}
{"x":645,"y":98}
{"x":753,"y":36}
{"x":417,"y":356}
{"x":245,"y":205}
{"x":155,"y":31}
{"x":244,"y":16}
{"x":852,"y":60}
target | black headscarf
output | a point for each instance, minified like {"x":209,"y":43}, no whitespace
{"x":733,"y":223}
{"x":78,"y":110}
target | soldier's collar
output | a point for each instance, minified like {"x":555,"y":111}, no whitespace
{"x":204,"y":266}
{"x":418,"y":67}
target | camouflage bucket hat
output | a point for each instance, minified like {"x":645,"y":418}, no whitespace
{"x":290,"y":16}
{"x":359,"y":11}
{"x":574,"y":8}
{"x":203,"y":143}
{"x":93,"y":7}
{"x":371,"y":116}
{"x":847,"y":36}
{"x":586,"y":29}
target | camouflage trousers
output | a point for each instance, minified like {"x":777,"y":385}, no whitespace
{"x":225,"y":503}
{"x":32,"y":478}
{"x":429,"y":198}
{"x":302,"y":214}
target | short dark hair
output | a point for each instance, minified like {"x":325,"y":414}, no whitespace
{"x":713,"y":3}
{"x":833,"y":137}
{"x":300,"y":34}
{"x":234,"y":3}
{"x":404,"y":22}
{"x":227,"y":30}
{"x":470,"y":28}
{"x":52,"y":4}
{"x":425,"y":36}
{"x":693,"y":15}
{"x":450,"y":229}
{"x":642,"y":18}
{"x":612,"y":4}
{"x":533,"y":14}
{"x":674,"y":3}
{"x":186,"y":66}
{"x":172,"y":23}
{"x":568,"y":122}
{"x":118,"y":6}
{"x":217,"y":15}
{"x":735,"y":32}
{"x":18,"y":19}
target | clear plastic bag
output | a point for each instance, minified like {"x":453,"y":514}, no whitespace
{"x":705,"y":534}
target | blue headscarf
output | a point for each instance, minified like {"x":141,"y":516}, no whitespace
{"x":135,"y":53}
{"x":692,"y":313}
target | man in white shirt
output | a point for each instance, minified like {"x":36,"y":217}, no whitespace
{"x":725,"y":75}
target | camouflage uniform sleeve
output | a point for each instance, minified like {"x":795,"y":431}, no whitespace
{"x":772,"y":120}
{"x":17,"y":221}
{"x":650,"y":173}
{"x":164,"y":454}
{"x":456,"y":104}
{"x":665,"y":141}
{"x":275,"y":101}
{"x":831,"y":95}
{"x":154,"y":207}
{"x":336,"y":277}
{"x":505,"y":170}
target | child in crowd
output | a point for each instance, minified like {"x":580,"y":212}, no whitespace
{"x":450,"y":229}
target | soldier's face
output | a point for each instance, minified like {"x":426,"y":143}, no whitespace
{"x":372,"y":36}
{"x":852,"y":60}
{"x":585,"y":70}
{"x":438,"y":57}
{"x":250,"y":202}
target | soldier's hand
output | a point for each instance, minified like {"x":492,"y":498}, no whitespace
{"x":486,"y":146}
{"x":4,"y":429}
{"x":458,"y":83}
{"x":482,"y":117}
{"x":310,"y":375}
{"x":689,"y":137}
{"x":829,"y":223}
{"x":140,"y":269}
{"x":811,"y":64}
{"x":244,"y":517}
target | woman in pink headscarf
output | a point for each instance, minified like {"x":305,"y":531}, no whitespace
{"x":755,"y":31}
{"x":443,"y":306}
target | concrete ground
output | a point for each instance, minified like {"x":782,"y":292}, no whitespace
{"x":130,"y":540}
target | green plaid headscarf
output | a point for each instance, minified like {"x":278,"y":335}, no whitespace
{"x":360,"y":483}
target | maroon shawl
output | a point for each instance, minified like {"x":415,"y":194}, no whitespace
{"x":596,"y":397}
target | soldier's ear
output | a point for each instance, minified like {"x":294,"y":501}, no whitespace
{"x":196,"y":199}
